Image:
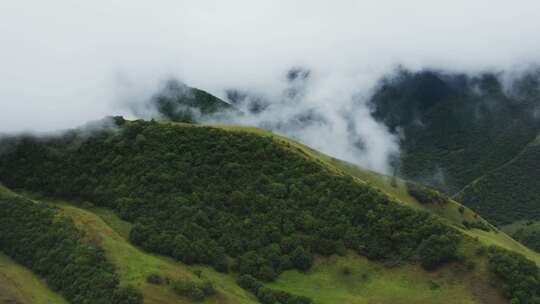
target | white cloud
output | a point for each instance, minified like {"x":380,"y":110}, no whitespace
{"x":66,"y":62}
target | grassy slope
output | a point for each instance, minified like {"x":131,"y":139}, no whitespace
{"x":20,"y":285}
{"x":373,"y":283}
{"x":133,"y":265}
{"x":526,"y":231}
{"x":449,"y":212}
{"x":368,"y":282}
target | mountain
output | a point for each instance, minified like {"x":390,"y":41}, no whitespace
{"x":456,"y":128}
{"x":178,"y":102}
{"x":510,"y":191}
{"x":239,"y":215}
{"x":470,"y":137}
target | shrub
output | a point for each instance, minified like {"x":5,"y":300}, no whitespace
{"x":301,"y":258}
{"x":470,"y":265}
{"x":270,"y":296}
{"x":518,"y":277}
{"x":193,"y":290}
{"x":477,"y":224}
{"x":345,"y":270}
{"x":437,"y":249}
{"x":155,"y":278}
{"x":425,"y":195}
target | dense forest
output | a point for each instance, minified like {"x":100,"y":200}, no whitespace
{"x":232,"y":200}
{"x":509,"y":193}
{"x":455,"y":128}
{"x":39,"y":237}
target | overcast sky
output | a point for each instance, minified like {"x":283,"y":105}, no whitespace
{"x":61,"y":62}
{"x":65,"y":62}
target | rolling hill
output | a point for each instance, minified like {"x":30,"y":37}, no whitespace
{"x":185,"y":213}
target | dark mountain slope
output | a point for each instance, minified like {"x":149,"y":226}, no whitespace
{"x":456,"y":128}
{"x":510,"y":192}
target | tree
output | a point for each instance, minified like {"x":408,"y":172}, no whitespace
{"x":436,"y":250}
{"x":301,"y":258}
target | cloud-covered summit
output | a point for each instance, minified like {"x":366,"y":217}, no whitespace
{"x":66,"y":62}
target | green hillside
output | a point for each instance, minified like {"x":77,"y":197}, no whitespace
{"x":525,"y":231}
{"x":471,"y":138}
{"x":135,"y":266}
{"x":37,"y":236}
{"x":335,"y":277}
{"x":20,"y":285}
{"x":452,"y":212}
{"x":262,"y":212}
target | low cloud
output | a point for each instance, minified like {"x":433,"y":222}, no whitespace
{"x":65,"y":62}
{"x":327,"y":113}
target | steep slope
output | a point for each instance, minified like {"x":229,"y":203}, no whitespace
{"x":457,"y":128}
{"x":452,"y":212}
{"x":510,"y":192}
{"x":20,"y":285}
{"x":469,"y":137}
{"x":38,"y":237}
{"x":348,"y":274}
{"x":135,"y":266}
{"x":525,"y":231}
{"x":255,"y":205}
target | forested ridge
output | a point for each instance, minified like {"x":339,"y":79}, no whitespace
{"x":233,"y":200}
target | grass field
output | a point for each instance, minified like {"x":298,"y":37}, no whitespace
{"x":19,"y":285}
{"x":355,"y":280}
